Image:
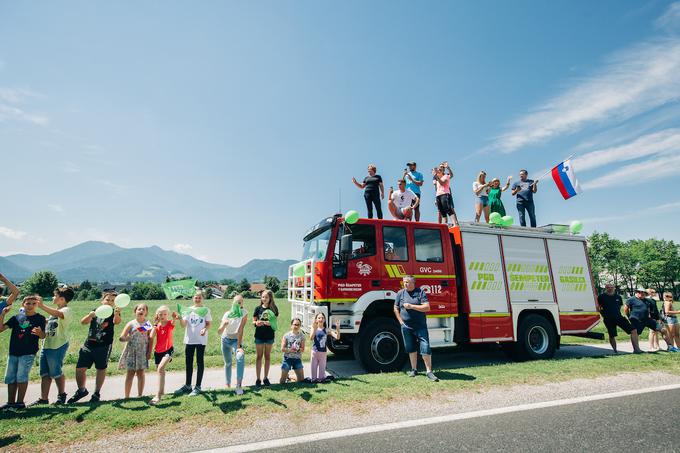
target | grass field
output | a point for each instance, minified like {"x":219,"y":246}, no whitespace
{"x":213,"y":354}
{"x":223,"y":410}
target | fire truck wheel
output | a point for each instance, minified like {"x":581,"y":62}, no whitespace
{"x":380,"y":346}
{"x":536,"y":339}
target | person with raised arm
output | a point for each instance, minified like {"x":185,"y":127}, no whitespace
{"x":524,"y":190}
{"x":414,"y":181}
{"x":374,"y":191}
{"x":13,"y":292}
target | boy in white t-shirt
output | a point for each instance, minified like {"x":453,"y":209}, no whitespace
{"x":196,"y":321}
{"x":402,"y":202}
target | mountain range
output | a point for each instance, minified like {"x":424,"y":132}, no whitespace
{"x":104,"y":261}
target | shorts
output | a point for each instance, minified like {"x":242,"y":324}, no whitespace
{"x":158,"y":356}
{"x":445,"y":204}
{"x":484,"y":201}
{"x":649,"y":322}
{"x":671,"y":320}
{"x":400,"y":213}
{"x":258,"y":341}
{"x":51,"y":361}
{"x":18,"y":368}
{"x":611,"y":323}
{"x":291,"y":363}
{"x":416,"y":339}
{"x":97,"y":355}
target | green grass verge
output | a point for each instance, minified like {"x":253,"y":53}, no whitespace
{"x":213,"y":354}
{"x":86,"y":422}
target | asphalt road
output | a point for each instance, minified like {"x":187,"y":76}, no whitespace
{"x":633,"y":423}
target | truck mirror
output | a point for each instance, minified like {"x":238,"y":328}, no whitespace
{"x":346,"y":244}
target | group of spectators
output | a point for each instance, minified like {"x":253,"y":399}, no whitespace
{"x":404,"y":202}
{"x":641,"y":311}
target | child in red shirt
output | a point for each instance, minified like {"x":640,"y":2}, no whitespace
{"x":163,"y":330}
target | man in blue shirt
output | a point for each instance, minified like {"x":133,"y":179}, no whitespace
{"x":637,"y":308}
{"x":410,"y":307}
{"x":524,"y":190}
{"x":414,"y":180}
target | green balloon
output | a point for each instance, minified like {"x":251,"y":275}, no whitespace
{"x":576,"y":227}
{"x":104,"y":311}
{"x":351,"y":217}
{"x":507,"y":220}
{"x":495,"y":218}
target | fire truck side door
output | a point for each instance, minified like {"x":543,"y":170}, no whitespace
{"x":396,"y":256}
{"x":490,"y":317}
{"x":363,"y":266}
{"x":434,"y":274}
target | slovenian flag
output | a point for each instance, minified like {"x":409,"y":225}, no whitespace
{"x":566,"y":181}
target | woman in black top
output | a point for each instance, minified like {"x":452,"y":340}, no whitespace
{"x":374,"y":191}
{"x":264,"y":334}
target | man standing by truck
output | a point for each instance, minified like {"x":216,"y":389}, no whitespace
{"x":637,"y":309}
{"x":609,"y":305}
{"x":410,"y":307}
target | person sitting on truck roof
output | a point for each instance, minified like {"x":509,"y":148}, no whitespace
{"x":410,"y":307}
{"x":637,"y":309}
{"x":524,"y":190}
{"x":609,"y":305}
{"x":402,"y":202}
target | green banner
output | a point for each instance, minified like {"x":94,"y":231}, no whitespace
{"x":180,"y":288}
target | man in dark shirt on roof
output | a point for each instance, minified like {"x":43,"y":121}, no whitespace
{"x":637,"y":309}
{"x":609,"y":305}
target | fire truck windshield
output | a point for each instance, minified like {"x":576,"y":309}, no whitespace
{"x":316,"y":246}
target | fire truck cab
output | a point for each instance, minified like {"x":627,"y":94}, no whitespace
{"x":520,"y":287}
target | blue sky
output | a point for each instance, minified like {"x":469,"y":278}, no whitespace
{"x":225,"y":129}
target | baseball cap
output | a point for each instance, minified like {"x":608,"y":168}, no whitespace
{"x":410,"y":163}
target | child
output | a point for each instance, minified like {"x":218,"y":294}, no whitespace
{"x":231,"y":330}
{"x":137,"y":352}
{"x":96,"y":350}
{"x":196,"y":321}
{"x":318,"y":335}
{"x":292,"y":346}
{"x":164,"y":349}
{"x":27,"y":327}
{"x":13,"y":293}
{"x":55,"y":345}
{"x":265,"y":329}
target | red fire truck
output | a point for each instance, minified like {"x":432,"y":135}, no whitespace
{"x":520,"y":287}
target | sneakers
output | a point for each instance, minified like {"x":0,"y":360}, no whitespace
{"x":238,"y":390}
{"x":12,"y":406}
{"x":39,"y":402}
{"x":196,"y":391}
{"x":266,"y":382}
{"x":673,"y":349}
{"x":430,"y":375}
{"x":155,"y":400}
{"x":95,"y":398}
{"x":258,"y":383}
{"x":61,"y":399}
{"x":183,"y":390}
{"x":79,"y":395}
{"x":412,"y":373}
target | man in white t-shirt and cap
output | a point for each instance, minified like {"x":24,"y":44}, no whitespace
{"x":402,"y":202}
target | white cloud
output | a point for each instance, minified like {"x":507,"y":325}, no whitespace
{"x":662,"y":142}
{"x":633,"y":81}
{"x":56,"y":208}
{"x":69,"y":167}
{"x":638,"y":173}
{"x":666,"y":207}
{"x":670,"y":20}
{"x":182,"y":248}
{"x":8,"y":112}
{"x":17,"y":95}
{"x":12,"y":234}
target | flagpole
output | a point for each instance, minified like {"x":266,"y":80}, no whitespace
{"x":550,"y":171}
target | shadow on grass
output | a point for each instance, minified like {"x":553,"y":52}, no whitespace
{"x":9,"y":440}
{"x":451,"y":376}
{"x":45,"y":412}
